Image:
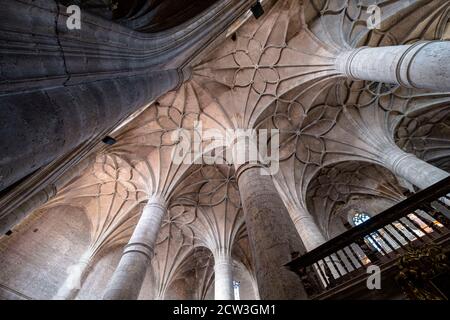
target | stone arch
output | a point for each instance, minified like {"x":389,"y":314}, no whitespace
{"x":348,"y":187}
{"x":194,"y":278}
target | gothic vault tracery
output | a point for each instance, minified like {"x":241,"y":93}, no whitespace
{"x":352,"y":139}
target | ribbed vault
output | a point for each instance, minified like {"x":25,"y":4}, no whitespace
{"x":343,"y":142}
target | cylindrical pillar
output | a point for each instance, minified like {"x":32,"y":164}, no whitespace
{"x":423,"y":65}
{"x":412,"y":169}
{"x":223,"y":277}
{"x":127,"y":280}
{"x":75,"y":278}
{"x":272,"y":235}
{"x":304,"y":222}
{"x":308,"y":230}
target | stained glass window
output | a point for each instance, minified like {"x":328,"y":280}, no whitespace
{"x":360,"y":217}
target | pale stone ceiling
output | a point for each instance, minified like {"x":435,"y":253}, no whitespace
{"x":279,"y":72}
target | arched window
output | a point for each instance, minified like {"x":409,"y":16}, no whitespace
{"x":359,"y":218}
{"x":236,"y":286}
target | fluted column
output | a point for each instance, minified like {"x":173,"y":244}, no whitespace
{"x":127,"y":280}
{"x":74,"y":280}
{"x":223,"y":277}
{"x":412,"y":169}
{"x":272,"y":235}
{"x":424,"y":65}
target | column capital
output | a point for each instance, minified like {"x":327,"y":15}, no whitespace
{"x":344,"y":61}
{"x":302,"y":216}
{"x":139,"y":247}
{"x":241,"y":168}
{"x":394,"y":157}
{"x":158,"y":201}
{"x":412,"y":169}
{"x":222,"y":257}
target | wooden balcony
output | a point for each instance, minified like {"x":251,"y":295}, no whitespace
{"x":409,"y":243}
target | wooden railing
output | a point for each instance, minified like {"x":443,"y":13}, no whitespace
{"x":421,"y":219}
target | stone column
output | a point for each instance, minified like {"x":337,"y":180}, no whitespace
{"x":74,"y":280}
{"x":127,"y":280}
{"x":308,"y":230}
{"x":412,"y":169}
{"x":255,"y":288}
{"x":304,"y":222}
{"x":424,"y":65}
{"x":272,"y":235}
{"x":223,"y":277}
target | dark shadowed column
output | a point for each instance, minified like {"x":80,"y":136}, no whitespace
{"x":272,"y":235}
